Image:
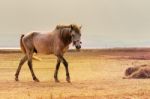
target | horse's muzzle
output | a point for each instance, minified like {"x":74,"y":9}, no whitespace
{"x":78,"y":47}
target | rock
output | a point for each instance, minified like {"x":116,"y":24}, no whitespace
{"x":142,"y":71}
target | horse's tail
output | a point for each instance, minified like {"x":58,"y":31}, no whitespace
{"x":21,"y":44}
{"x":36,"y":58}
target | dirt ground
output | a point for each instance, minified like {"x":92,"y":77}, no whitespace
{"x":95,"y":74}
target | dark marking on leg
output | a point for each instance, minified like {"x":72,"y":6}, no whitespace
{"x":34,"y":50}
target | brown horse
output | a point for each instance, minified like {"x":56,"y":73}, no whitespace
{"x":55,"y":42}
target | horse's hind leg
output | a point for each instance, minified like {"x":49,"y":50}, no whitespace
{"x":56,"y":70}
{"x":22,"y":61}
{"x":30,"y":67}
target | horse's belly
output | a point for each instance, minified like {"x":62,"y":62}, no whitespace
{"x":45,"y":51}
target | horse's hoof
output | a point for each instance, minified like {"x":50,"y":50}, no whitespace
{"x":36,"y":80}
{"x":16,"y":79}
{"x":57,"y":81}
{"x":68,"y":80}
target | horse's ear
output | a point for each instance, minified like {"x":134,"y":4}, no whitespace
{"x":71,"y":26}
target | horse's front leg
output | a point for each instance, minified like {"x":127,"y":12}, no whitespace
{"x":66,"y":67}
{"x":56,"y":70}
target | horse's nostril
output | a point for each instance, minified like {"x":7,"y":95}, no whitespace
{"x":78,"y":47}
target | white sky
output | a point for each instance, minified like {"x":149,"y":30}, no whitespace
{"x":106,"y":23}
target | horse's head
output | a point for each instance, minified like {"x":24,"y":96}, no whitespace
{"x":71,"y":33}
{"x":76,"y":36}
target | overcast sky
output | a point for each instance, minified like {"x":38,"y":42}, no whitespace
{"x":106,"y":23}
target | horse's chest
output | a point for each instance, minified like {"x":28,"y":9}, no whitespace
{"x":65,"y":49}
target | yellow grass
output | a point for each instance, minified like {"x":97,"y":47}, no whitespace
{"x":94,"y":75}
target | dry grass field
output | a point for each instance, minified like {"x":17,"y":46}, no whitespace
{"x":95,"y":74}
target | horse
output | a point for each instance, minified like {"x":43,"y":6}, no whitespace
{"x":55,"y":42}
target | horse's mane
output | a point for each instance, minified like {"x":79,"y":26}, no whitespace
{"x":62,"y":26}
{"x":72,"y":26}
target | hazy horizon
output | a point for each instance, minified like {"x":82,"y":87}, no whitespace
{"x":106,"y":23}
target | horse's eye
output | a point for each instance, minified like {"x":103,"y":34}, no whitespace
{"x":80,"y":42}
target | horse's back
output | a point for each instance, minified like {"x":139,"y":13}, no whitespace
{"x":38,"y":42}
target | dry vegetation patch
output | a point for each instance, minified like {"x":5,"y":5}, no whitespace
{"x":94,"y":75}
